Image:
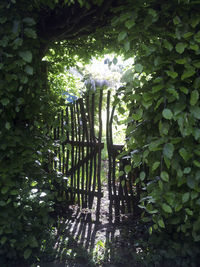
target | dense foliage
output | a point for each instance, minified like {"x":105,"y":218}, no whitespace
{"x":161,"y":92}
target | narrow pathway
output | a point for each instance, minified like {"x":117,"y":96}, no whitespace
{"x":81,"y":241}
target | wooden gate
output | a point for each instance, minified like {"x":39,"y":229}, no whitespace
{"x":78,"y":155}
{"x":123,"y":192}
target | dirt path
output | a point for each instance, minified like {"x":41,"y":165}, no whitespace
{"x":81,"y":241}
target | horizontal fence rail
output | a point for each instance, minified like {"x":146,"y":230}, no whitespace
{"x":78,"y":149}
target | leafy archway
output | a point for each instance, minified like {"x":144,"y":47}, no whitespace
{"x":162,"y":93}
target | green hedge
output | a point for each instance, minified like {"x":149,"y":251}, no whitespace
{"x":162,"y":93}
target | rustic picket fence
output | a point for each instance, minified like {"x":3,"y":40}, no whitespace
{"x":78,"y":141}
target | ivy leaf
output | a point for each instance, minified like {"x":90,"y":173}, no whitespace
{"x":138,"y":115}
{"x":127,"y":168}
{"x":27,"y":253}
{"x":185,"y":197}
{"x":180,"y":47}
{"x":196,"y":133}
{"x":122,"y":35}
{"x":155,"y":165}
{"x":196,"y":163}
{"x":2,"y":203}
{"x":172,"y":74}
{"x":181,"y":61}
{"x":176,"y":20}
{"x":7,"y":125}
{"x":166,"y":208}
{"x":161,"y":223}
{"x":26,"y":56}
{"x":187,"y":170}
{"x":195,"y":111}
{"x":29,"y":21}
{"x":167,"y":45}
{"x":30,"y":33}
{"x":194,"y":97}
{"x":5,"y":101}
{"x":188,"y":73}
{"x":164,"y":176}
{"x":167,"y":114}
{"x":184,"y":90}
{"x":127,"y":46}
{"x":184,"y":154}
{"x":29,"y":70}
{"x":142,"y":176}
{"x":138,"y":67}
{"x":168,"y":150}
{"x":157,"y":88}
{"x":130,"y":23}
{"x":4,"y":190}
{"x":194,"y":47}
{"x":191,"y":182}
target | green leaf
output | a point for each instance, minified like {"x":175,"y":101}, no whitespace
{"x":26,"y":56}
{"x":127,"y":168}
{"x":127,"y":46}
{"x":188,"y":34}
{"x":27,"y":253}
{"x":7,"y":125}
{"x":167,"y":45}
{"x":176,"y":20}
{"x":34,"y":183}
{"x":164,"y":176}
{"x":167,"y":114}
{"x":14,"y":192}
{"x":122,"y":35}
{"x":189,"y":212}
{"x":196,"y":133}
{"x":29,"y":21}
{"x":138,"y":115}
{"x":197,"y":64}
{"x":180,"y":47}
{"x":187,"y":170}
{"x":168,"y":150}
{"x":2,"y":203}
{"x":194,"y":97}
{"x":142,"y":176}
{"x":181,"y":61}
{"x":5,"y":101}
{"x":188,"y":73}
{"x":163,"y":128}
{"x":196,"y":163}
{"x":138,"y":67}
{"x":161,"y":223}
{"x":157,"y":88}
{"x":3,"y":240}
{"x":184,"y":154}
{"x":185,"y":197}
{"x":191,"y":182}
{"x":166,"y":208}
{"x":4,"y":190}
{"x":195,"y":111}
{"x":172,"y":74}
{"x":29,"y":70}
{"x":130,"y":23}
{"x":194,"y":47}
{"x":155,"y":165}
{"x":173,"y":92}
{"x":184,"y":90}
{"x":121,"y":173}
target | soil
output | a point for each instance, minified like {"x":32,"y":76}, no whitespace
{"x":87,"y":241}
